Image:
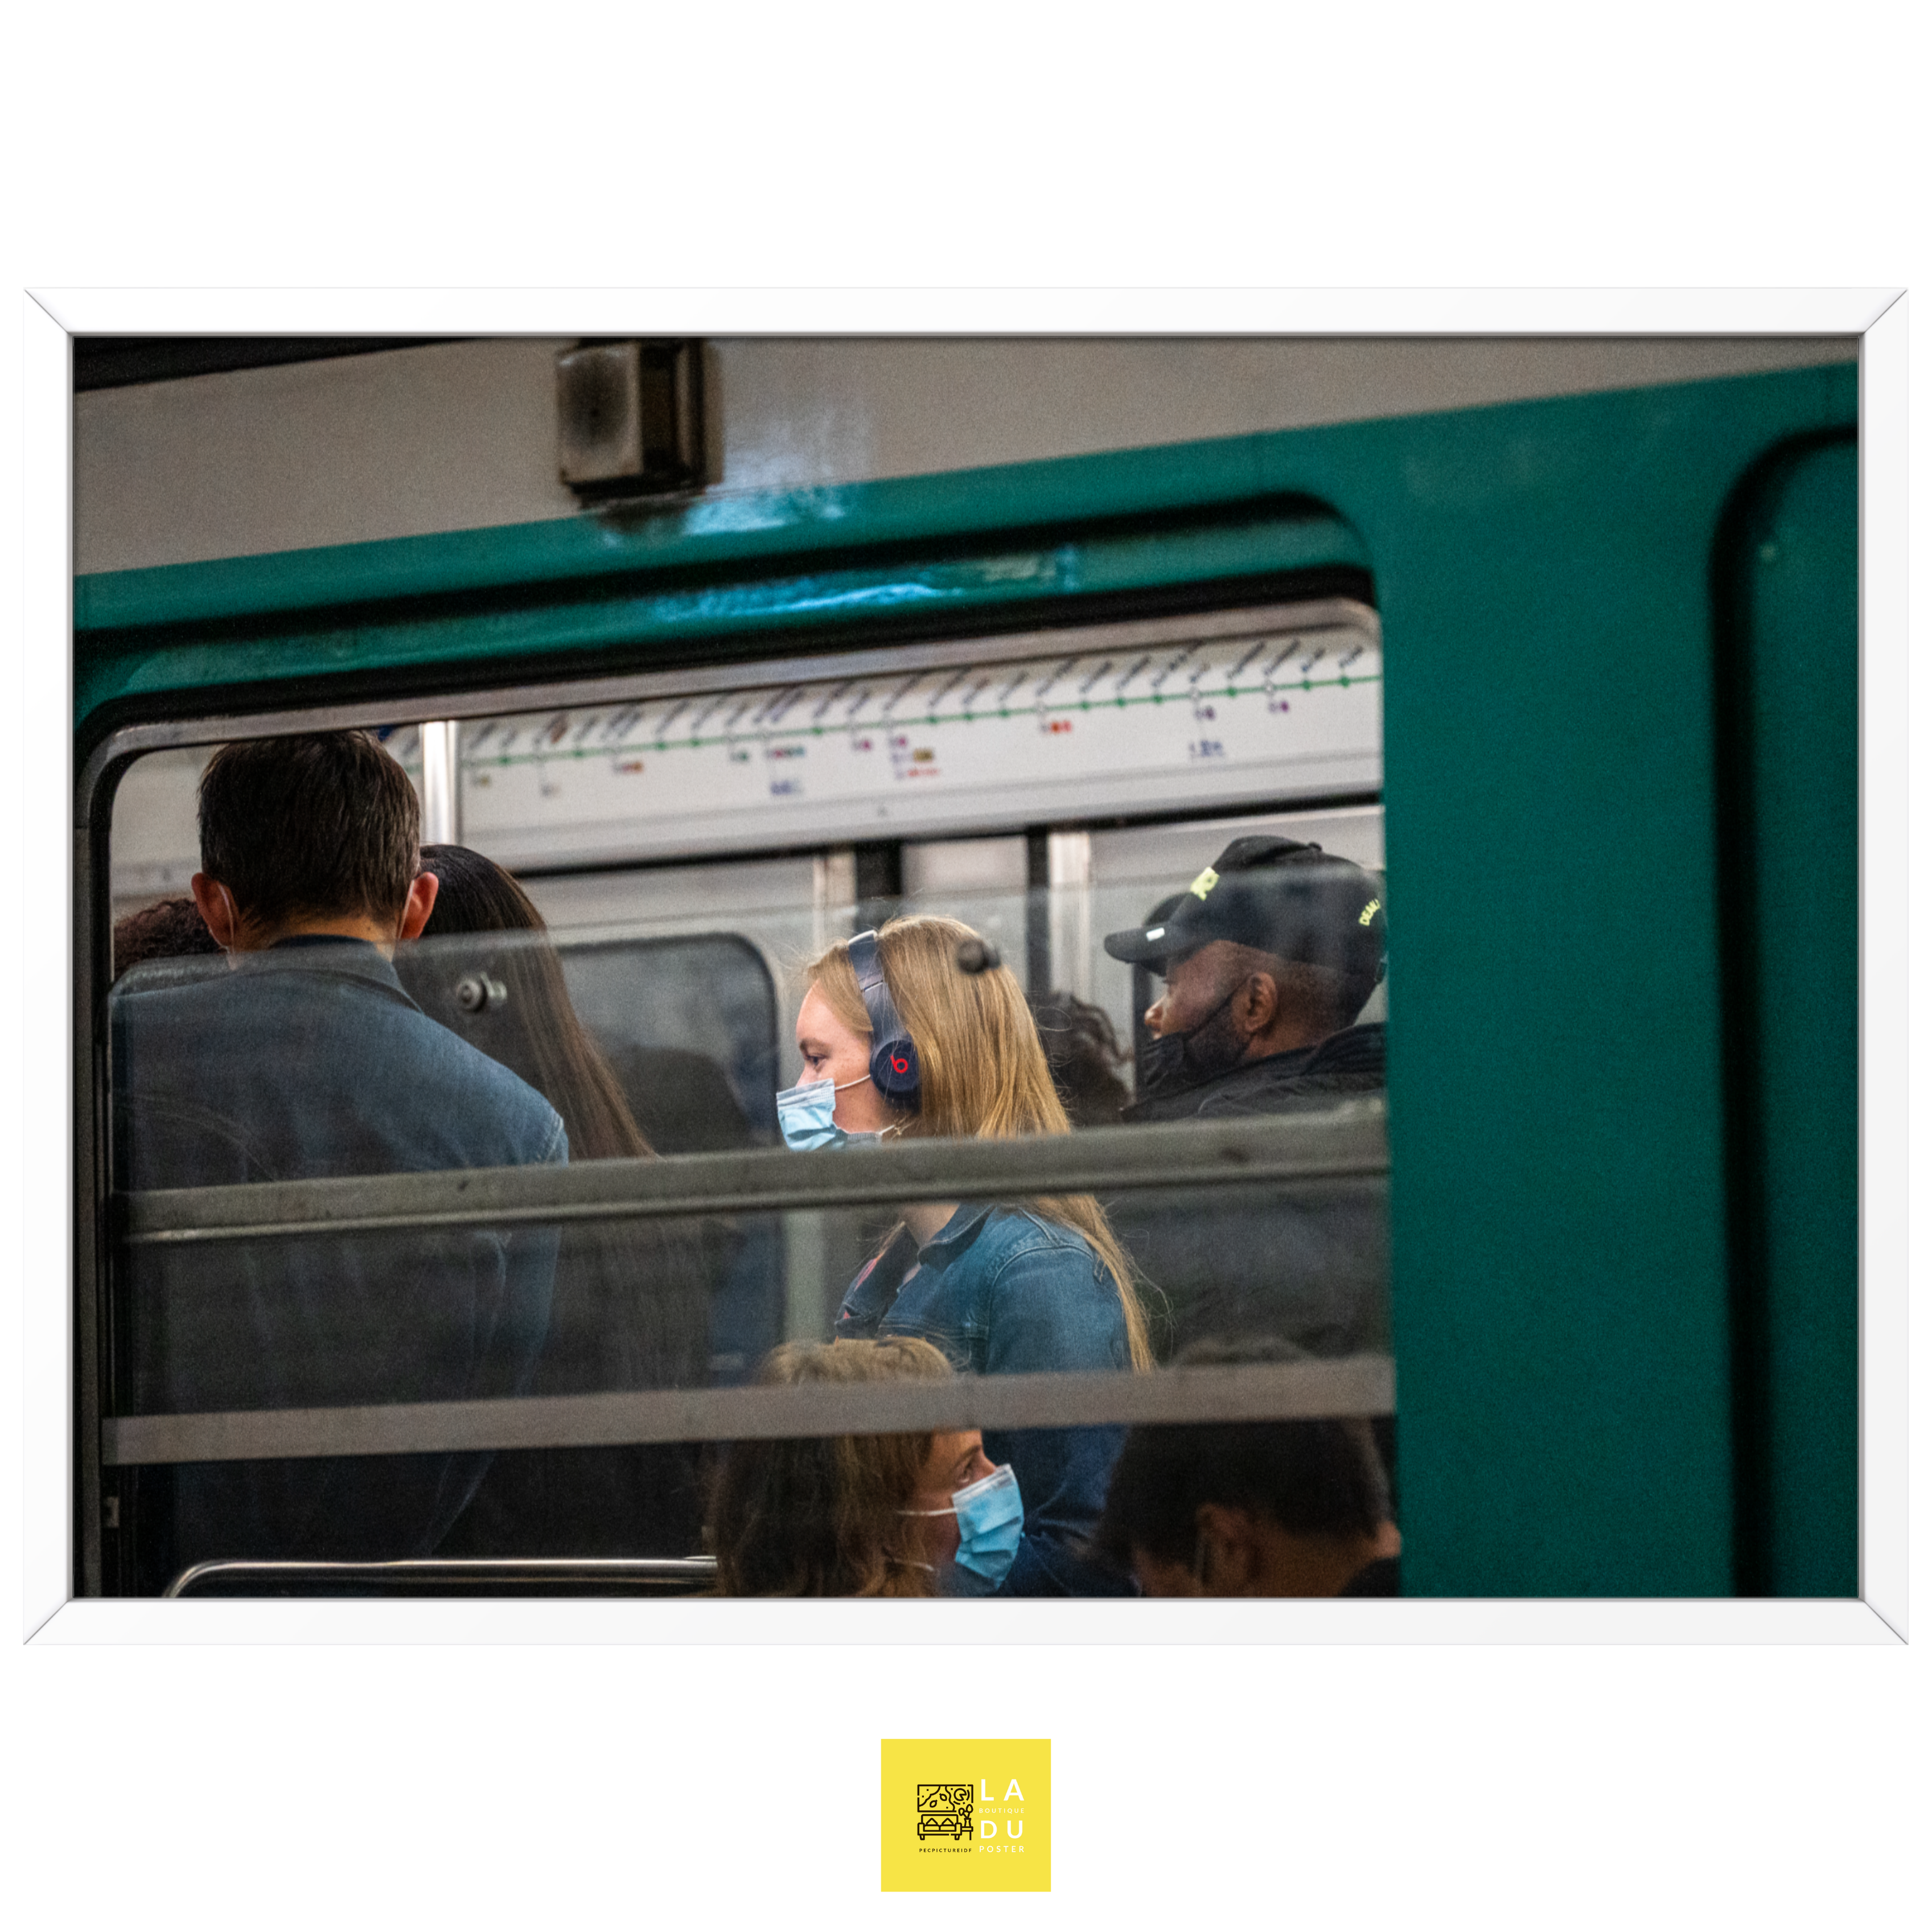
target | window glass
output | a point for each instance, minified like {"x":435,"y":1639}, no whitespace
{"x":364,"y":1341}
{"x":592,"y":1150}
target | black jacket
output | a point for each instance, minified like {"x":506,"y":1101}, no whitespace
{"x":1352,"y":1061}
{"x":1307,"y":1261}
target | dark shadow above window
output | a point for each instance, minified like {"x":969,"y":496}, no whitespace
{"x":115,"y":362}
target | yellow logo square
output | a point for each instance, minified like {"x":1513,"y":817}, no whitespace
{"x":965,"y":1814}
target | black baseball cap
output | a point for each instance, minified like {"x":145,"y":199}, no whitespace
{"x":1293,"y":901}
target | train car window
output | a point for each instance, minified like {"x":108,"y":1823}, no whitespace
{"x":516,"y":1306}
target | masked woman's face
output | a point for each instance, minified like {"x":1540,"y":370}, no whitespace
{"x":828,"y":1049}
{"x":955,"y":1460}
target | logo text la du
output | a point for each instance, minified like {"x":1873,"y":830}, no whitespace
{"x":1014,"y":1826}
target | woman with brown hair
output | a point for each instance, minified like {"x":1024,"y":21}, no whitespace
{"x":630,"y":1305}
{"x":899,"y":1035}
{"x":844,"y":1515}
{"x":540,"y":1035}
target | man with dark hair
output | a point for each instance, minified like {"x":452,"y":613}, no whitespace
{"x":308,"y":1060}
{"x":317,"y":832}
{"x":1252,"y":1509}
{"x":1268,"y":957}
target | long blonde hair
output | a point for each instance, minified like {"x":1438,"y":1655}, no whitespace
{"x":983,"y":1075}
{"x":826,"y":1515}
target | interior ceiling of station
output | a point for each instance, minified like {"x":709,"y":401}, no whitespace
{"x":463,"y":435}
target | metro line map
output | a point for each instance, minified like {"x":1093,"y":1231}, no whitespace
{"x":1298,"y":706}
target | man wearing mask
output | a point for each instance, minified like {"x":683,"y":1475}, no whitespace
{"x":1268,"y":957}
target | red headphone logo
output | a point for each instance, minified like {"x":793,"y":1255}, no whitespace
{"x":900,"y":1066}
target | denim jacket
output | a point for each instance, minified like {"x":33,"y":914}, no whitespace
{"x":307,"y":1060}
{"x":1000,"y":1291}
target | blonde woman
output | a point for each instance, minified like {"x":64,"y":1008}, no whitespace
{"x":844,"y":1515}
{"x":896,"y":1038}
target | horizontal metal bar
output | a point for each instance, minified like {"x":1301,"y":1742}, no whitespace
{"x":679,"y":1573}
{"x":1348,"y":1140}
{"x":1256,"y":1392}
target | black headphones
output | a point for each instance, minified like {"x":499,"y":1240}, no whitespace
{"x":894,"y":1059}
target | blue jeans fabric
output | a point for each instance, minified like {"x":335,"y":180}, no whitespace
{"x":1000,"y":1291}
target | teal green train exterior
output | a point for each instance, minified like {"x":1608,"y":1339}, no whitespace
{"x":1624,"y":1190}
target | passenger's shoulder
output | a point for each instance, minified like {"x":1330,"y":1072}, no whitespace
{"x":1050,"y":1295}
{"x":151,"y":1005}
{"x":1019,"y":1240}
{"x":1016,"y":1229}
{"x":505,"y":1118}
{"x":447,"y":1062}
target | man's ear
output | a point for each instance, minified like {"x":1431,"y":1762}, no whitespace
{"x":1231,"y":1549}
{"x":217,"y":907}
{"x":417,"y":907}
{"x":1256,"y":1004}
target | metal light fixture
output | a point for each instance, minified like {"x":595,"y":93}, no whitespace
{"x":630,"y":417}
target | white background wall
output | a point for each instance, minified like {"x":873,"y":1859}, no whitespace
{"x":463,"y":436}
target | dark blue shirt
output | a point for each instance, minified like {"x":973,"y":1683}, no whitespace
{"x":305,"y":1061}
{"x":1001,"y":1292}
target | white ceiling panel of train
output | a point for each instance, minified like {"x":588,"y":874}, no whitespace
{"x":1165,"y":715}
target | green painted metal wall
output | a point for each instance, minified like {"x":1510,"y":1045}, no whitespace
{"x":729,"y":599}
{"x":1793,"y":614}
{"x":1558,"y":1090}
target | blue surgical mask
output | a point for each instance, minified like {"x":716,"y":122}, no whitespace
{"x":805,"y":1116}
{"x":991,"y":1517}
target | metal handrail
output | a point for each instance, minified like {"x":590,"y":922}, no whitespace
{"x":1244,"y":1392}
{"x":1349,"y":1140}
{"x":695,"y":1571}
